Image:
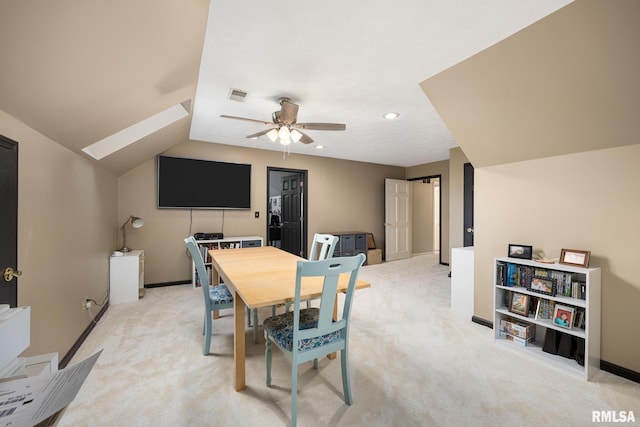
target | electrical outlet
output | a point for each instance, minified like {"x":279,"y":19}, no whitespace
{"x":86,"y":304}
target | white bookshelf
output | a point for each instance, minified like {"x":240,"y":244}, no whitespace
{"x":591,"y":277}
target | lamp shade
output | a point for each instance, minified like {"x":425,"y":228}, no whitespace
{"x":136,"y":222}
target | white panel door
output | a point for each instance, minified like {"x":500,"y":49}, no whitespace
{"x":397,"y":219}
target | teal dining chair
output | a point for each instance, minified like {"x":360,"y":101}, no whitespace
{"x":323,"y":247}
{"x":215,"y":297}
{"x":309,"y":333}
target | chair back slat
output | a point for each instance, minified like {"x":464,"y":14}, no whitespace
{"x":330,"y":270}
{"x":196,"y":256}
{"x":323,"y":246}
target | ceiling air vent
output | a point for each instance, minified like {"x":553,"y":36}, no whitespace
{"x":237,"y":95}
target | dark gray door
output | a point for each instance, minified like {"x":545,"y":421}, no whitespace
{"x":292,"y":194}
{"x":8,"y":220}
{"x":468,"y":205}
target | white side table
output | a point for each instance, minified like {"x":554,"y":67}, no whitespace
{"x":126,"y":276}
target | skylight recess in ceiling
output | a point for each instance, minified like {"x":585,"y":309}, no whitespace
{"x":137,"y":131}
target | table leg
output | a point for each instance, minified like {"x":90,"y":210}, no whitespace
{"x":239,"y":342}
{"x":335,"y":317}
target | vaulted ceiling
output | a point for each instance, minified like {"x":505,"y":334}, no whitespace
{"x":567,"y":84}
{"x":79,"y":71}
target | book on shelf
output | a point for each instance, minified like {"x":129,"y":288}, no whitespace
{"x":544,"y":309}
{"x":512,"y":274}
{"x":501,"y":273}
{"x":541,"y":272}
{"x":578,"y":320}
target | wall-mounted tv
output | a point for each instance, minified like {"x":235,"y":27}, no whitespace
{"x":203,"y":184}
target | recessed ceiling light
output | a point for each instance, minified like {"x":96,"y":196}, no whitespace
{"x":391,"y":116}
{"x":319,"y":147}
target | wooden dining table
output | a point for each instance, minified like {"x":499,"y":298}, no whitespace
{"x":262,"y":277}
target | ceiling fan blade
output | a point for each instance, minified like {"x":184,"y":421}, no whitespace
{"x":321,"y":126}
{"x":258,"y":134}
{"x":288,"y":112}
{"x":305,"y":139}
{"x":246,"y":120}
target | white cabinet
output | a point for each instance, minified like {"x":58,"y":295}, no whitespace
{"x":530,"y":298}
{"x":126,"y":276}
{"x":462,"y":280}
{"x":220,"y":244}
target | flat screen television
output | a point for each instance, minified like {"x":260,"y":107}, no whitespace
{"x":203,"y":184}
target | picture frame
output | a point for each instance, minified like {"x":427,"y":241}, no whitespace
{"x":520,"y":251}
{"x":543,"y":285}
{"x":519,"y":304}
{"x":563,"y":316}
{"x":575,"y":257}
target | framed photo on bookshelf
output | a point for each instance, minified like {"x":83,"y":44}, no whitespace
{"x":543,"y":285}
{"x":563,"y":316}
{"x":575,"y":257}
{"x":519,"y":304}
{"x":520,"y":251}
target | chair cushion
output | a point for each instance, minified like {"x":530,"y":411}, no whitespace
{"x":220,"y":294}
{"x":280,"y":328}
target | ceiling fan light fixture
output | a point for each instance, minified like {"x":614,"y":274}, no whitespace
{"x":284,"y":125}
{"x":285,"y":135}
{"x":295,"y":135}
{"x":284,"y":132}
{"x":273,"y":135}
{"x":391,"y":116}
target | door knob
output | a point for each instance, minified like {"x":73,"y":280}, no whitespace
{"x":469,"y":230}
{"x":10,"y":273}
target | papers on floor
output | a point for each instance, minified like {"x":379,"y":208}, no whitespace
{"x":28,"y":401}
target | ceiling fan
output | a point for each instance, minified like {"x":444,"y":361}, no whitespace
{"x":285,"y":125}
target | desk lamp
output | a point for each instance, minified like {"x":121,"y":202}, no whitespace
{"x":135,"y":223}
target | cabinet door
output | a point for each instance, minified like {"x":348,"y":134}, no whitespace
{"x":124,"y":278}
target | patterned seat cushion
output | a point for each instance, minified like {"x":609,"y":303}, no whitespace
{"x":280,"y":328}
{"x":220,"y":294}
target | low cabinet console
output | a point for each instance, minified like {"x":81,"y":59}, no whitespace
{"x":550,"y":311}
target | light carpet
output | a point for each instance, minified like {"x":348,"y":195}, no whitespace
{"x":413,"y":361}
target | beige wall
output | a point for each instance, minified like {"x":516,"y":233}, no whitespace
{"x":456,"y":193}
{"x":438,"y":168}
{"x":343,"y":196}
{"x":585,"y":201}
{"x":66,"y":232}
